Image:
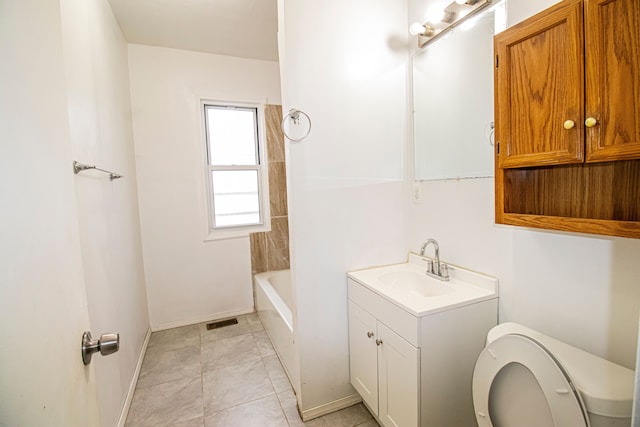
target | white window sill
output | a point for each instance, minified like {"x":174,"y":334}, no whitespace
{"x":235,"y":233}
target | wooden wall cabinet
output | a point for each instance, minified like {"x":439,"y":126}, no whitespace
{"x":567,"y":107}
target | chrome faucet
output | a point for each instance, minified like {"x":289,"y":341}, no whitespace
{"x":435,"y":268}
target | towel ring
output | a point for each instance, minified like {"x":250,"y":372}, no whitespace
{"x":294,"y":115}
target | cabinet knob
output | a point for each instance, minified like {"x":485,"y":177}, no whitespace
{"x":369,"y":334}
{"x":378,"y":342}
{"x":569,"y":124}
{"x":590,"y":122}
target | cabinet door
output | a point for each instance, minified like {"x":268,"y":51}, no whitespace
{"x":363,"y":356}
{"x":612,"y":31}
{"x":398,"y":380}
{"x":539,"y":86}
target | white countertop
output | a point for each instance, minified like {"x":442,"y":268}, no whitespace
{"x":464,"y":287}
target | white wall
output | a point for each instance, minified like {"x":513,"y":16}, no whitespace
{"x":63,"y":93}
{"x":348,"y":207}
{"x":581,"y":289}
{"x":346,"y":187}
{"x":95,"y":54}
{"x":188,"y":280}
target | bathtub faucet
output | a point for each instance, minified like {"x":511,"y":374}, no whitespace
{"x":435,"y":268}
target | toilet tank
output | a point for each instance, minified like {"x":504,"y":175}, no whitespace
{"x":606,"y":388}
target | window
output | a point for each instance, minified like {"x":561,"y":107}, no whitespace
{"x":235,"y":175}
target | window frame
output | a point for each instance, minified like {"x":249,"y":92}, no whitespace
{"x":226,"y":232}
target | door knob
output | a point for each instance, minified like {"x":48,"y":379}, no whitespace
{"x":369,"y":334}
{"x":107,"y":344}
{"x":569,"y":124}
{"x":378,"y":342}
{"x":590,"y":122}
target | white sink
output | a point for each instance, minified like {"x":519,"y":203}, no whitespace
{"x":407,"y":286}
{"x":418,"y":284}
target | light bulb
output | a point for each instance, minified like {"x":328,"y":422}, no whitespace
{"x":461,"y":1}
{"x":435,"y":14}
{"x":417,"y":28}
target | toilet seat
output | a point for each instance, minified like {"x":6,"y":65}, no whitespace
{"x":564,"y":401}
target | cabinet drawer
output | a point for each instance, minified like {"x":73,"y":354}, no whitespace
{"x":401,"y":322}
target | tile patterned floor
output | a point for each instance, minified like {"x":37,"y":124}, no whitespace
{"x":226,"y":377}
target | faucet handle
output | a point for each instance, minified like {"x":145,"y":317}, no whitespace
{"x":444,"y":270}
{"x":430,"y":266}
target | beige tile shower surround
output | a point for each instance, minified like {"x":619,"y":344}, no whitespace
{"x":270,"y":251}
{"x":226,"y":377}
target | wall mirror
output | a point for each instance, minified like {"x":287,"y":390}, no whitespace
{"x":453,"y":100}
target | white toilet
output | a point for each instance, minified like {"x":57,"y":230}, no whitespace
{"x":523,"y":378}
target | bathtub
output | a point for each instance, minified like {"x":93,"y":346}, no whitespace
{"x":273,"y":299}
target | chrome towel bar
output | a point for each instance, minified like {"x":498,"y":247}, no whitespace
{"x":79,"y":167}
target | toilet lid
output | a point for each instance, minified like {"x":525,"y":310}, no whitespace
{"x":564,"y":403}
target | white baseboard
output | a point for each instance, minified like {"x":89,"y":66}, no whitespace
{"x":201,"y":319}
{"x":134,"y":381}
{"x":330,"y":407}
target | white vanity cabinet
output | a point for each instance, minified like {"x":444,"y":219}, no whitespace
{"x":384,"y":369}
{"x":412,"y":356}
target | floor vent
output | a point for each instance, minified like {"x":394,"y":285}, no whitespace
{"x":221,"y":324}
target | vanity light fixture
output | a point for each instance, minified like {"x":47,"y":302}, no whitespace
{"x":439,"y":22}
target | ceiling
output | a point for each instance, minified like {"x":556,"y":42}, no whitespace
{"x":242,"y":28}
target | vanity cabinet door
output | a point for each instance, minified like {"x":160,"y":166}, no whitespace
{"x":398,"y":380}
{"x":612,"y":31}
{"x":539,"y":83}
{"x":363,"y":355}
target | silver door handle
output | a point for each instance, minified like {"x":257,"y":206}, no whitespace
{"x":107,"y":344}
